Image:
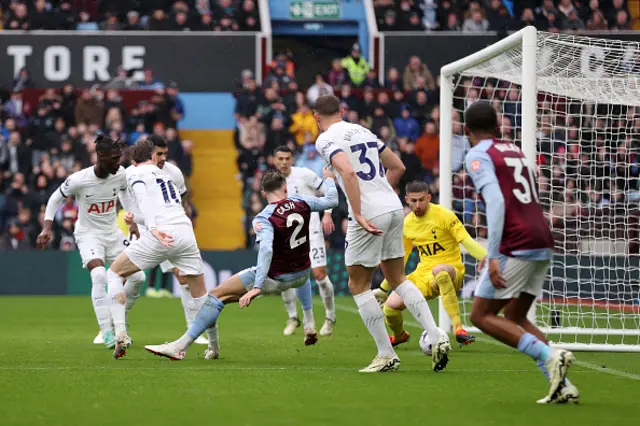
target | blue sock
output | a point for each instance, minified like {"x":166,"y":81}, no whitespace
{"x":207,"y":316}
{"x":533,"y":347}
{"x":304,"y":295}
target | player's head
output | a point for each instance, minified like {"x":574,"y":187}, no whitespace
{"x":274,"y":186}
{"x":327,"y":111}
{"x":108,"y":152}
{"x":160,"y":149}
{"x":142,"y":151}
{"x":481,"y":122}
{"x":418,"y":197}
{"x":283,"y":159}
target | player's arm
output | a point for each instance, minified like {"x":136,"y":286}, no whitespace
{"x":128,"y":204}
{"x":482,"y":173}
{"x":145,"y":205}
{"x":394,"y":165}
{"x":460,"y":234}
{"x":264,"y":236}
{"x":329,"y":201}
{"x":53,"y":204}
{"x":321,"y":188}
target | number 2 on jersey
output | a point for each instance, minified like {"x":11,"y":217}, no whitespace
{"x":295,"y":239}
{"x":363,"y":148}
{"x":168,"y":190}
{"x":526,"y":181}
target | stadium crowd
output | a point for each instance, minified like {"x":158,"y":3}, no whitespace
{"x":589,"y":155}
{"x":128,"y":15}
{"x":42,"y":144}
{"x":502,"y":15}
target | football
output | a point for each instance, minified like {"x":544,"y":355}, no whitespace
{"x":424,"y":341}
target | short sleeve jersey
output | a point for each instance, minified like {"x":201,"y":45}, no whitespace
{"x":96,"y":199}
{"x":363,"y":151}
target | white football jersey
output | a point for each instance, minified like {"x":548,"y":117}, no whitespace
{"x":305,"y":182}
{"x":362,"y":148}
{"x":176,"y":177}
{"x":162,"y":191}
{"x":96,"y":199}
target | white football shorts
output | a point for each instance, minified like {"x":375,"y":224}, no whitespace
{"x":522,"y":276}
{"x":105,"y":247}
{"x":317,"y":252}
{"x":368,"y":250}
{"x":184,"y":254}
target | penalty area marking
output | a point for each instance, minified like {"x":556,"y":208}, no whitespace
{"x":594,"y":367}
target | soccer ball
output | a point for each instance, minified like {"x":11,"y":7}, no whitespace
{"x":424,"y":341}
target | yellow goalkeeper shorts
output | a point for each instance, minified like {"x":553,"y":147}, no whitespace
{"x":425,"y":281}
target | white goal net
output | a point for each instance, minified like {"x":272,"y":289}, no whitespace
{"x":573,"y":105}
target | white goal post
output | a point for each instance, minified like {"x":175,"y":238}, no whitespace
{"x":573,"y":105}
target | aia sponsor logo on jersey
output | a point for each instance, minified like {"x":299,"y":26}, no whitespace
{"x":103,"y":207}
{"x":430,"y":249}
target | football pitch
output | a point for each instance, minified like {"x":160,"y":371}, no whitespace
{"x":51,"y":374}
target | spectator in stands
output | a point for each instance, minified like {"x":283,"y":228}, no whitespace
{"x":150,"y":82}
{"x":337,"y":75}
{"x":475,"y":23}
{"x":348,"y":98}
{"x":622,"y":21}
{"x":15,"y":156}
{"x":85,"y":22}
{"x":597,"y":22}
{"x":279,"y":75}
{"x":379,"y":120}
{"x":406,"y":126}
{"x":89,"y":109}
{"x":317,"y":89}
{"x":22,"y":80}
{"x":277,"y":134}
{"x":111,"y":23}
{"x":39,"y":18}
{"x":393,"y":81}
{"x":416,"y":68}
{"x":248,"y":17}
{"x":356,"y":66}
{"x":15,"y":238}
{"x":303,"y":122}
{"x":614,"y":13}
{"x":389,"y":22}
{"x":428,"y":146}
{"x":133,"y":22}
{"x":573,"y":23}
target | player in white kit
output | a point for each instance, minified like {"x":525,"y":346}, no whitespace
{"x":303,"y":181}
{"x":174,"y":172}
{"x":168,"y":236}
{"x":374,"y":233}
{"x":96,"y":190}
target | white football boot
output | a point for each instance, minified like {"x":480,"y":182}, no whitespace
{"x":122,"y":344}
{"x":99,"y":340}
{"x":439,"y":354}
{"x":382,"y":364}
{"x":566,"y":394}
{"x":327,"y":327}
{"x":201,"y":340}
{"x":167,"y":350}
{"x":558,"y":365}
{"x":290,"y":328}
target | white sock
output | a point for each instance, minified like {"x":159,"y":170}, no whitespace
{"x":309,"y":321}
{"x":289,"y":299}
{"x":132,"y":289}
{"x":186,"y":341}
{"x":212,"y":335}
{"x":99,"y":298}
{"x":325,"y":287}
{"x":373,"y":318}
{"x":419,"y":308}
{"x":185,"y":296}
{"x":117,"y":302}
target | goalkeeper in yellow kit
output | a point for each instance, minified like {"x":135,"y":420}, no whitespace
{"x":437,"y":234}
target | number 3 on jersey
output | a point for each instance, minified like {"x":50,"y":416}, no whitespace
{"x":364,"y":160}
{"x":168,"y":190}
{"x":295,"y":240}
{"x":525,"y":180}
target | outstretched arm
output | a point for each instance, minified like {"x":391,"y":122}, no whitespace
{"x":49,"y":214}
{"x":264,"y":235}
{"x":329,"y":201}
{"x":393,"y":164}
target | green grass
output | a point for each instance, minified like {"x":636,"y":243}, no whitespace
{"x":51,"y":374}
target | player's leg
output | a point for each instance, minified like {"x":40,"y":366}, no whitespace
{"x":229,"y":291}
{"x":304,"y":295}
{"x":444,"y":277}
{"x":393,"y":268}
{"x":392,"y":310}
{"x":151,"y":289}
{"x":289,"y":299}
{"x":185,"y":298}
{"x":325,"y":286}
{"x":135,"y":281}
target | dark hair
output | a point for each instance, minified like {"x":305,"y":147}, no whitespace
{"x":106,"y":145}
{"x":416,"y":186}
{"x":282,"y":148}
{"x":142,"y":151}
{"x":327,"y":105}
{"x":481,"y":117}
{"x":273,"y":180}
{"x":158,"y":141}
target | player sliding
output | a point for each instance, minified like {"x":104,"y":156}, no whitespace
{"x":374,"y":234}
{"x":97,"y":235}
{"x":282,"y":230}
{"x":519,"y":253}
{"x":437,"y":233}
{"x":175,"y":174}
{"x":168,"y":235}
{"x":302,"y":181}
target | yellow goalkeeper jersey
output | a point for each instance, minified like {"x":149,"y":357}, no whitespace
{"x":437,"y":236}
